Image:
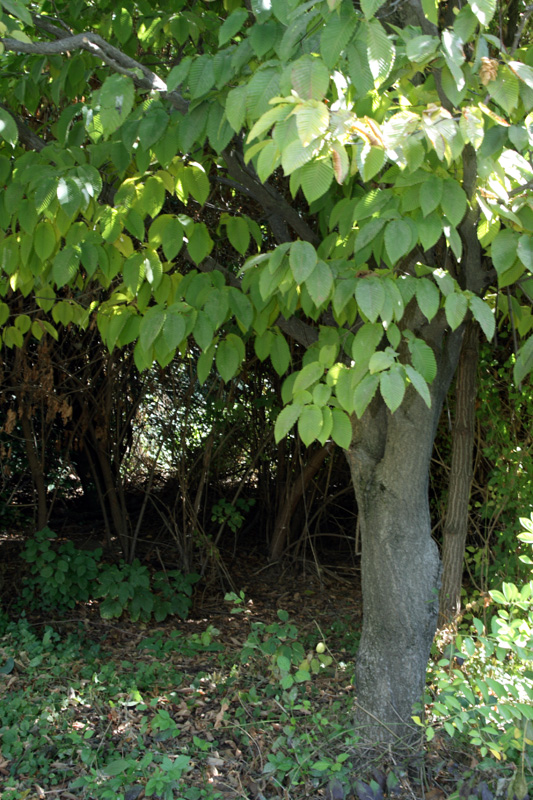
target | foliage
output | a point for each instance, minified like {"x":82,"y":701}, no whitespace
{"x":483,"y":690}
{"x":65,"y":576}
{"x":231,"y":514}
{"x":61,"y":577}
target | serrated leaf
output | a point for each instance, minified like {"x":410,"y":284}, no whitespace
{"x":280,"y":355}
{"x":310,"y":424}
{"x":524,"y":361}
{"x":236,"y":107}
{"x":8,"y":127}
{"x":286,"y":419}
{"x":369,"y":7}
{"x":335,"y":37}
{"x":229,"y":356}
{"x":364,"y":392}
{"x":454,"y":202}
{"x":398,"y":237}
{"x":65,"y":266}
{"x":151,"y":325}
{"x":525,"y":251}
{"x":430,"y":194}
{"x":312,"y":121}
{"x":429,"y":230}
{"x":201,"y":76}
{"x":371,"y":160}
{"x":484,"y":315}
{"x":423,"y":358}
{"x":380,"y":51}
{"x":455,"y":306}
{"x":483,"y":9}
{"x":44,"y":240}
{"x":238,"y":233}
{"x":320,"y":283}
{"x":427,"y":297}
{"x":308,"y":375}
{"x":200,"y":243}
{"x":419,"y":384}
{"x":370,"y":296}
{"x":316,"y":178}
{"x":303,"y":260}
{"x":392,"y":388}
{"x":471,"y":126}
{"x":505,"y":89}
{"x":310,"y":78}
{"x":116,"y":102}
{"x":232,"y":25}
{"x":504,"y":250}
{"x":341,"y":431}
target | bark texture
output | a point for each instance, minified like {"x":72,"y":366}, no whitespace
{"x":461,"y":473}
{"x":389,"y":462}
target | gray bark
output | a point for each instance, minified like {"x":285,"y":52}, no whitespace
{"x":389,"y":461}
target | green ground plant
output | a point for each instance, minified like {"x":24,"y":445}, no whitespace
{"x":63,"y":576}
{"x":483,"y":692}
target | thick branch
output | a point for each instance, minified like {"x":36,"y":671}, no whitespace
{"x":26,"y":135}
{"x":279,"y":212}
{"x":92,"y":43}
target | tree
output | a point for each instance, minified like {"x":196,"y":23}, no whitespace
{"x":373,"y":164}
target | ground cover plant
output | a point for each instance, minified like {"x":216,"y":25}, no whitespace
{"x":244,"y":700}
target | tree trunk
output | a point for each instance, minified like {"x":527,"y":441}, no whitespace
{"x":389,"y":461}
{"x":461,"y":473}
{"x":37,"y":471}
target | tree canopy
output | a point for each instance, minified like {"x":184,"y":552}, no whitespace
{"x":355,"y":178}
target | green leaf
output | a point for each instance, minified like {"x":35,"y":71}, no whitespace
{"x":65,"y":266}
{"x":151,"y":325}
{"x":341,"y":432}
{"x":177,"y":74}
{"x":471,"y":126}
{"x":429,"y":229}
{"x":505,"y":89}
{"x":524,"y":361}
{"x":308,"y":375}
{"x":236,"y":107}
{"x":8,"y":127}
{"x":153,"y":126}
{"x":241,"y":306}
{"x":312,"y":121}
{"x":524,"y":72}
{"x":380,"y":51}
{"x":310,"y":424}
{"x":431,"y":194}
{"x":504,"y":250}
{"x":370,"y":296}
{"x":200,"y":243}
{"x":525,"y":251}
{"x":172,"y":238}
{"x":320,"y":283}
{"x":455,"y":306}
{"x":18,"y":10}
{"x":201,"y":76}
{"x":392,"y":388}
{"x":229,"y":356}
{"x":364,"y":392}
{"x":238,"y":233}
{"x":116,"y":102}
{"x":316,"y":178}
{"x":303,"y":260}
{"x":371,"y":160}
{"x":310,"y":78}
{"x":423,"y":357}
{"x":369,"y":7}
{"x":419,"y":384}
{"x":484,"y":315}
{"x":231,"y":25}
{"x":280,"y":355}
{"x":365,"y":342}
{"x":398,"y":239}
{"x":286,"y":419}
{"x":483,"y":9}
{"x":427,"y":297}
{"x":44,"y":240}
{"x":123,"y":25}
{"x":454,"y":202}
{"x":335,"y":36}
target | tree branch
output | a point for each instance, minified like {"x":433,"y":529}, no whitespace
{"x":110,"y":55}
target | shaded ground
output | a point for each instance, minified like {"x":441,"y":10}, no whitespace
{"x":217,"y":706}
